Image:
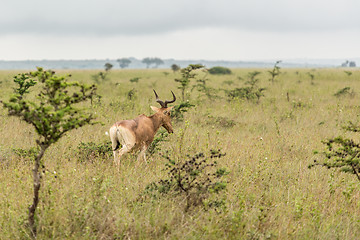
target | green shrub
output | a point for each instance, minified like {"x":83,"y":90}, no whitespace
{"x":219,"y":71}
{"x":247,"y":93}
{"x":346,"y":91}
{"x":178,"y":111}
{"x":188,"y":73}
{"x":91,"y":151}
{"x":135,"y":79}
{"x":342,"y":153}
{"x":203,"y":87}
{"x":275,"y":71}
{"x":131,"y":94}
{"x":195,"y":178}
{"x":250,"y":92}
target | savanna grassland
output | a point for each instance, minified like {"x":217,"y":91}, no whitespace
{"x":270,"y":192}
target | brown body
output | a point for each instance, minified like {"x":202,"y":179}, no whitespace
{"x":138,"y":133}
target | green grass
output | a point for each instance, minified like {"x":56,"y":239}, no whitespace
{"x":271,"y":193}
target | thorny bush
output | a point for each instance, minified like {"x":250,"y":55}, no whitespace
{"x":342,"y":153}
{"x":196,"y":178}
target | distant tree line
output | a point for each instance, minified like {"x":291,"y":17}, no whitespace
{"x":348,"y":63}
{"x":152,"y":61}
{"x":124,"y":62}
{"x":155,"y":61}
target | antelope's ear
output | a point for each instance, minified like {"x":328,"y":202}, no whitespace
{"x":167,"y":111}
{"x":155,"y":109}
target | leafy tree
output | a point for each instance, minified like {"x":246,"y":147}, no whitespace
{"x":275,"y":71}
{"x":124,"y":62}
{"x":352,"y":64}
{"x":108,"y":67}
{"x":186,"y":75}
{"x":157,"y":62}
{"x":52,"y":113}
{"x":345,"y":64}
{"x":149,"y":61}
{"x":342,"y":153}
{"x":175,"y":68}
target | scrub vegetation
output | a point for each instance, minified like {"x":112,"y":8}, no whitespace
{"x":234,"y":168}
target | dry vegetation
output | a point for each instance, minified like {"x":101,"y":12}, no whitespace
{"x":270,"y":193}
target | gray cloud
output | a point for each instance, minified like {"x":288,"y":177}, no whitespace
{"x":141,"y":17}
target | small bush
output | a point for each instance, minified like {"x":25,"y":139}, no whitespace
{"x":342,"y":153}
{"x":99,"y":77}
{"x":249,"y":92}
{"x":197,"y":179}
{"x":90,"y":151}
{"x":131,"y":94}
{"x":203,"y":87}
{"x":135,"y":79}
{"x":219,"y":71}
{"x":346,"y":91}
{"x":179,"y":110}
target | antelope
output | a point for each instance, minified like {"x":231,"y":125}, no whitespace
{"x":138,"y":133}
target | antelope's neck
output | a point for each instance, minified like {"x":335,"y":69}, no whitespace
{"x":156,"y":121}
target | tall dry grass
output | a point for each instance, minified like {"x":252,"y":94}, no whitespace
{"x":271,"y":194}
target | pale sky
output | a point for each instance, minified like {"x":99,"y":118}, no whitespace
{"x":182,"y":29}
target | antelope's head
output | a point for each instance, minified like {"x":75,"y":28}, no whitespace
{"x":164,"y":112}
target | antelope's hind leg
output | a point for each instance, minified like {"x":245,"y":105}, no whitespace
{"x":142,"y":153}
{"x":116,"y":157}
{"x":126,"y":139}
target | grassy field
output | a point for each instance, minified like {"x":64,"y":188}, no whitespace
{"x":270,"y":192}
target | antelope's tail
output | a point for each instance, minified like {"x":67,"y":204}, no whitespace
{"x":114,"y":138}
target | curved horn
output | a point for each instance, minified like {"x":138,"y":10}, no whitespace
{"x":162,"y":104}
{"x":174,"y":99}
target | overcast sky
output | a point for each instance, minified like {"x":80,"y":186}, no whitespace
{"x":182,"y":29}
